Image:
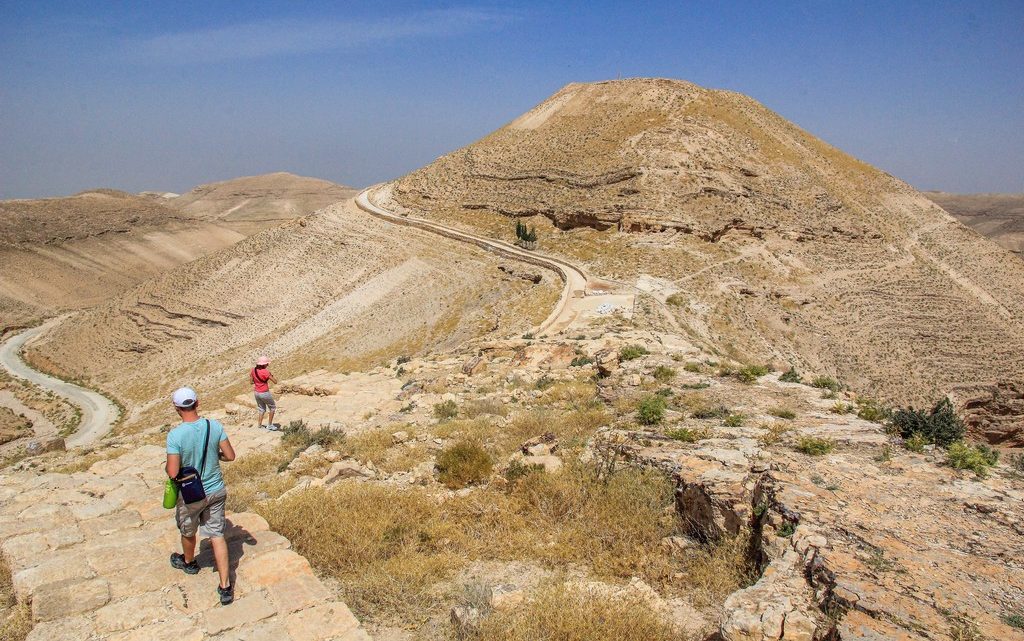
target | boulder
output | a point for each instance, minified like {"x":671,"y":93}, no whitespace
{"x":474,"y":366}
{"x":465,"y":619}
{"x":347,"y":469}
{"x":607,"y":361}
{"x":36,"y":447}
{"x":399,"y":437}
{"x":549,"y":462}
{"x":541,"y":445}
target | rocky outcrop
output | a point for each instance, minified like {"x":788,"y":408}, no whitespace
{"x":849,"y":545}
{"x":993,"y":413}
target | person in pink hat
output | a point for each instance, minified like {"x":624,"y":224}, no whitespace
{"x":261,"y":380}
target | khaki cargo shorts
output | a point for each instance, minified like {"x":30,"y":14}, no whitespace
{"x":207,"y":515}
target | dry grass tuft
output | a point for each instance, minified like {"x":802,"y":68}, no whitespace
{"x":577,"y":394}
{"x":557,"y":612}
{"x":484,"y":407}
{"x":15,"y":618}
{"x":571,"y":428}
{"x":255,"y":474}
{"x":717,"y":570}
{"x":464,"y":463}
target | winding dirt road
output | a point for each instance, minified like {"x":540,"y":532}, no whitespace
{"x":98,"y":412}
{"x":570,"y":305}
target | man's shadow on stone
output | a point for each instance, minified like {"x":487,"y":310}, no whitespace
{"x":237,"y":538}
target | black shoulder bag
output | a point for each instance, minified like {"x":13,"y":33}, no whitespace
{"x":190,"y":480}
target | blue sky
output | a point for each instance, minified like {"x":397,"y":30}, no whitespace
{"x":165,"y":96}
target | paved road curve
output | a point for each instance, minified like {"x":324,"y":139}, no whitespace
{"x":575,"y":279}
{"x":98,"y":413}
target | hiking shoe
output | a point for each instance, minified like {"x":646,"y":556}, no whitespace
{"x":178,"y":563}
{"x":273,"y":427}
{"x":227,"y":595}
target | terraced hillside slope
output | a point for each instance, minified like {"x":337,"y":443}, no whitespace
{"x":67,"y":253}
{"x":336,"y":289}
{"x":764,"y":242}
{"x":999,"y":217}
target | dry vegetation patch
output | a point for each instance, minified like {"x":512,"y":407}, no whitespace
{"x":393,"y":550}
{"x":558,"y":612}
{"x":15,"y":617}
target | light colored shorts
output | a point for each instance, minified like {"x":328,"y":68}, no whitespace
{"x":264,"y":402}
{"x":207,"y":515}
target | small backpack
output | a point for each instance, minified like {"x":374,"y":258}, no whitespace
{"x":190,"y":480}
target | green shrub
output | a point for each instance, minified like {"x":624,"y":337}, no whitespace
{"x":651,"y":410}
{"x":786,"y":530}
{"x":977,"y":458}
{"x":814,"y":446}
{"x":734,"y":420}
{"x":1014,"y":620}
{"x":840,"y":407}
{"x":517,"y":470}
{"x":719,"y":411}
{"x":580,"y":361}
{"x":464,"y":463}
{"x":693,"y":367}
{"x":528,"y":336}
{"x":782,"y":412}
{"x":826,"y":382}
{"x":629,"y":352}
{"x":402,"y":360}
{"x":940,"y":426}
{"x":791,"y":376}
{"x":446,"y":410}
{"x":676,"y":300}
{"x":687,"y":434}
{"x":327,"y":438}
{"x":544,"y":382}
{"x":915,"y":443}
{"x":664,"y":373}
{"x":751,"y":373}
{"x":871,"y":410}
{"x":700,"y":385}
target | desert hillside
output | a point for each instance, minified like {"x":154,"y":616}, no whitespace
{"x":764,"y":242}
{"x":336,"y":289}
{"x":996,"y":216}
{"x":252,"y":200}
{"x":73,"y":252}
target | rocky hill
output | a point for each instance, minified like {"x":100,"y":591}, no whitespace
{"x":68,"y":253}
{"x":260,"y":199}
{"x":761,"y":240}
{"x":996,"y":216}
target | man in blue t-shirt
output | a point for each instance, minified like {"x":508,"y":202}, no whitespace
{"x":185,"y":449}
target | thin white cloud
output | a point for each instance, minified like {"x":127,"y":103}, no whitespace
{"x":297,"y":36}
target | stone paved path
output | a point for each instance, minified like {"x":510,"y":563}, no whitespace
{"x":91,"y":551}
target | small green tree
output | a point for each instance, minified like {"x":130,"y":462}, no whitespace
{"x":940,"y":426}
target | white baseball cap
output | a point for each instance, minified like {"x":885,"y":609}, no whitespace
{"x":184,"y":397}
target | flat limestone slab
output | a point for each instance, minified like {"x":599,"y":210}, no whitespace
{"x":92,"y":553}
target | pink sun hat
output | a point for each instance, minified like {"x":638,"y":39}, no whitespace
{"x":263,"y":360}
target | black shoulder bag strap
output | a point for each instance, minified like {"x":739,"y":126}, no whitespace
{"x":206,"y":445}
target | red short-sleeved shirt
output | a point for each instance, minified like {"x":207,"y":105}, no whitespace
{"x":259,"y":379}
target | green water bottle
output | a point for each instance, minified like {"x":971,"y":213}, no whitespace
{"x":170,"y":494}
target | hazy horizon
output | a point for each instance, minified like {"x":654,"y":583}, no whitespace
{"x":167,"y":97}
